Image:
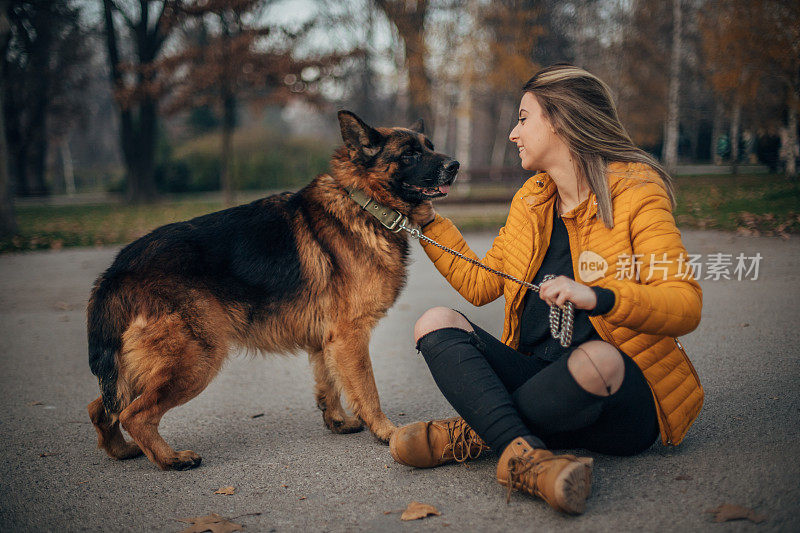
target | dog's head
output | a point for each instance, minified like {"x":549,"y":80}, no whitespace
{"x":396,"y":166}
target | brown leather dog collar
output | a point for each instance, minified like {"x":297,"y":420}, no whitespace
{"x":391,"y":219}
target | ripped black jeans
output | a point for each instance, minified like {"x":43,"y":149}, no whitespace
{"x":503,"y":394}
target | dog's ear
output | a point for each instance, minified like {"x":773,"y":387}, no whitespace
{"x":358,"y":136}
{"x":418,"y":126}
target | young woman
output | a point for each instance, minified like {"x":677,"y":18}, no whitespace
{"x":598,"y":217}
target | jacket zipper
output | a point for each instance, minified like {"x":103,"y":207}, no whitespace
{"x":608,"y":338}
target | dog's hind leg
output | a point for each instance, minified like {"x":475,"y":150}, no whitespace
{"x":109,"y":436}
{"x":328,"y":397}
{"x":173,"y":366}
{"x":347,"y":351}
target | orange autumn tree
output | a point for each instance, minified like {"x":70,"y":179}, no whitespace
{"x":642,"y":82}
{"x":240,"y":59}
{"x":746,"y":42}
{"x":514,"y":29}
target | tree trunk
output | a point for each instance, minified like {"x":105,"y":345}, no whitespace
{"x":66,"y":166}
{"x":409,"y":19}
{"x":464,"y":123}
{"x":137,"y":137}
{"x":228,"y":124}
{"x":501,"y":142}
{"x":716,"y":132}
{"x":38,"y":148}
{"x":419,"y":85}
{"x":464,"y":106}
{"x":673,"y":109}
{"x":8,"y":220}
{"x":736,"y":117}
{"x":442,"y":111}
{"x":366,"y":97}
{"x":791,"y":125}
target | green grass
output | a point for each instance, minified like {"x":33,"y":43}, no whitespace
{"x":43,"y":227}
{"x":752,"y":204}
{"x":758,"y":204}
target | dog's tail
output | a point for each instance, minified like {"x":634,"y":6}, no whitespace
{"x":106,"y":320}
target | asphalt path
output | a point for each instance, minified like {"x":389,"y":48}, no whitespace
{"x":258,"y":429}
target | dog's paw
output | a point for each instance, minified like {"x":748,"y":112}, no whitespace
{"x":384,"y":432}
{"x":348,"y":424}
{"x":128,"y":451}
{"x":185,"y":460}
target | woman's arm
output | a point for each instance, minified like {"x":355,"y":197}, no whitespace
{"x":478,"y":286}
{"x":667,"y":300}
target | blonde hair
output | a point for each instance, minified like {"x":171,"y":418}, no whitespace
{"x":580,"y":107}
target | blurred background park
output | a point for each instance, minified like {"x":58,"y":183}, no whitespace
{"x":122,"y":115}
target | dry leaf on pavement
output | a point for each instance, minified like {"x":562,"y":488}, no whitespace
{"x":727,"y":512}
{"x":225,"y":490}
{"x":417,"y":510}
{"x":212,"y":522}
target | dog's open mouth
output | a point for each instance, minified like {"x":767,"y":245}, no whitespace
{"x":432,"y":192}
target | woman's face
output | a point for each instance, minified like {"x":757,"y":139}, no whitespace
{"x":539,"y":146}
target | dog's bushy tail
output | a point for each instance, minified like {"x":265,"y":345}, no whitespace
{"x":106,"y":320}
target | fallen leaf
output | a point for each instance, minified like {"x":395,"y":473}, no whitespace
{"x":47,"y":454}
{"x":82,"y":482}
{"x":285,"y":486}
{"x":401,"y":414}
{"x":212,"y":522}
{"x":35,"y":403}
{"x":417,"y":510}
{"x":225,"y":490}
{"x":727,"y":512}
{"x":302,"y":497}
{"x":259,"y":415}
{"x":683,"y":477}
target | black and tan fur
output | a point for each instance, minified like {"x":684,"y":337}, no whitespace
{"x":305,"y":271}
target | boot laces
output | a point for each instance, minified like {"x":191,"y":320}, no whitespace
{"x":524,"y":470}
{"x":461,"y":439}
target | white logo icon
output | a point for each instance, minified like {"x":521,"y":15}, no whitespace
{"x":591,"y":266}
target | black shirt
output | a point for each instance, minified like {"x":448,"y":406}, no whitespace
{"x":535,"y":337}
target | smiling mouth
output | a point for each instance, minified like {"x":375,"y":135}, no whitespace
{"x":432,"y":192}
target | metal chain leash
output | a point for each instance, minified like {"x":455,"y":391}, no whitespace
{"x":561,"y":320}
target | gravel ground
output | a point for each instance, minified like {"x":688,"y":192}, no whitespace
{"x":298,"y":476}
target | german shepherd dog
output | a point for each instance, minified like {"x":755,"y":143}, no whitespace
{"x":306,"y":271}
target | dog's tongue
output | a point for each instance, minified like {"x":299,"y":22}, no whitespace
{"x":444,"y":189}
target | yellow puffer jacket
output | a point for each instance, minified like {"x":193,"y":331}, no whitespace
{"x":649,"y":312}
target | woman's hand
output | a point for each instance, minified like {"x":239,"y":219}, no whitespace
{"x":561,"y":289}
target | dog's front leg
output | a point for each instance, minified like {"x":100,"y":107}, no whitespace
{"x":347,"y":356}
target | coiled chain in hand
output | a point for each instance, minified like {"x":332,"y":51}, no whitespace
{"x":561,"y":319}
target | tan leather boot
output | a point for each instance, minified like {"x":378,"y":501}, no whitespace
{"x":429,"y":444}
{"x":563,"y":481}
